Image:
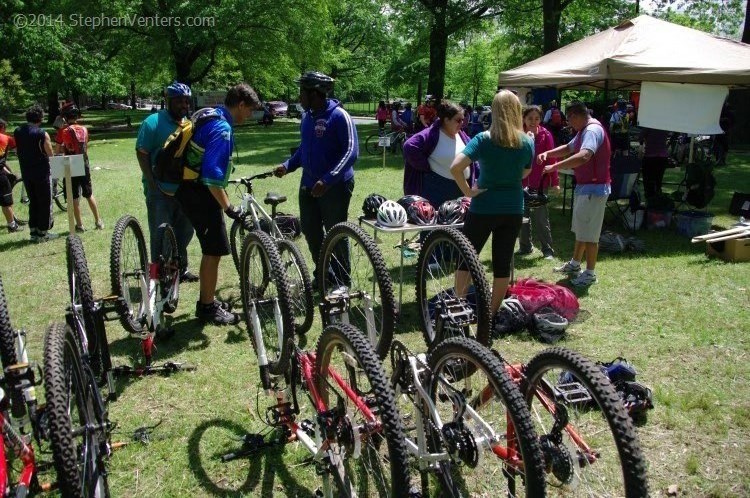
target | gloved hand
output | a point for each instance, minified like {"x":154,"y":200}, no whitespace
{"x":234,"y":212}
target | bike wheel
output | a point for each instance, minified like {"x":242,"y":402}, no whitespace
{"x":236,"y":236}
{"x":7,"y":334}
{"x":82,"y":299}
{"x":443,"y":252}
{"x":20,"y":202}
{"x":487,"y":429}
{"x":300,"y":286}
{"x":169,"y":272}
{"x":607,"y":460}
{"x":371,"y":145}
{"x":351,"y":266}
{"x":376,"y":465}
{"x":266,"y":300}
{"x":76,"y":436}
{"x":58,"y":194}
{"x":128,"y":262}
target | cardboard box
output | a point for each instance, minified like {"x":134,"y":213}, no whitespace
{"x":735,"y":250}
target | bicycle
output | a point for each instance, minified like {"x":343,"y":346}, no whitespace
{"x":397,"y":139}
{"x":355,"y":285}
{"x":144,"y":292}
{"x":468,"y":421}
{"x":354,"y":435}
{"x":292,"y":259}
{"x":445,"y":311}
{"x":21,"y":206}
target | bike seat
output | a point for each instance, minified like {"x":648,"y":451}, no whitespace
{"x":274,"y":199}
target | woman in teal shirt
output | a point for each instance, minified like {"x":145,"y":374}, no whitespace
{"x":505,"y":155}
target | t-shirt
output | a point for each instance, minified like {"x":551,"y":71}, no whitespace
{"x":444,"y":153}
{"x":217,"y":140}
{"x":500,"y":172}
{"x":619,"y":122}
{"x":71,"y":137}
{"x":429,"y":114}
{"x":592,"y":139}
{"x":6,"y":143}
{"x":154,"y":131}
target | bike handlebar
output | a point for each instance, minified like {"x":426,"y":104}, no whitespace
{"x":247,"y":179}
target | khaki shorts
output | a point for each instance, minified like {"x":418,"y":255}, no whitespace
{"x":588,"y":216}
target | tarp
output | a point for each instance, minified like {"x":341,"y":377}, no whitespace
{"x":671,"y":106}
{"x":641,"y":49}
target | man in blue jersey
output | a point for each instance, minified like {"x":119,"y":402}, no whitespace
{"x":327,"y":153}
{"x":204,"y":200}
{"x":161,"y":205}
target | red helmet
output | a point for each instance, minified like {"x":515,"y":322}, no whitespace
{"x":422,"y":213}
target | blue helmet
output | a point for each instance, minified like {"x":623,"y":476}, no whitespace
{"x":177,"y":89}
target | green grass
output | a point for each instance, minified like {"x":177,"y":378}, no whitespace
{"x":682,"y":319}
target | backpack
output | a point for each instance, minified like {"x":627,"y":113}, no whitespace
{"x":700,"y":183}
{"x":555,"y":118}
{"x":80,"y":140}
{"x":179,"y":160}
{"x":623,"y":123}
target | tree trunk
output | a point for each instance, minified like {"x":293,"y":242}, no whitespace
{"x":53,"y":105}
{"x":182,"y":68}
{"x":419,"y":94}
{"x":438,"y":51}
{"x":551,"y":13}
{"x":132,"y":94}
{"x":746,"y":31}
{"x":104,"y":101}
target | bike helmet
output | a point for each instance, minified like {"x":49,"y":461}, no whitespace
{"x":371,"y":205}
{"x":511,"y":317}
{"x":408,"y":200}
{"x":548,"y":326}
{"x":450,"y":212}
{"x":314,"y":80}
{"x":421,"y":213}
{"x":465,"y":202}
{"x":177,"y":89}
{"x":390,"y":214}
{"x":534,"y":198}
{"x":70,"y":112}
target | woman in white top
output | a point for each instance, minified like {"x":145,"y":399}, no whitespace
{"x":429,"y":154}
{"x":397,"y":124}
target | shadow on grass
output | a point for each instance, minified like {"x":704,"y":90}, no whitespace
{"x":266,"y":468}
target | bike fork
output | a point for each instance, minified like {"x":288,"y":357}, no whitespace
{"x":372,"y":332}
{"x":260,"y":347}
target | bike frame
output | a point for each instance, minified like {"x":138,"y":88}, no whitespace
{"x":10,"y":438}
{"x":253,"y":208}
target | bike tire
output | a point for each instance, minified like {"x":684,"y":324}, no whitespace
{"x":356,"y":347}
{"x":20,"y":202}
{"x":625,"y":464}
{"x":58,"y":194}
{"x":371,"y":145}
{"x":376,"y":284}
{"x":128,"y":255}
{"x":7,"y":334}
{"x":300,"y":285}
{"x":262,"y":278}
{"x":170,"y":265}
{"x":236,"y":236}
{"x":81,"y":293}
{"x":67,"y":388}
{"x":483,"y":370}
{"x":432,"y":282}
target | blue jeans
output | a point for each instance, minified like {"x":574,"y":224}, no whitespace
{"x":163,"y":208}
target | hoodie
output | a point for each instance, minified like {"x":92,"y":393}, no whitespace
{"x":329,"y":146}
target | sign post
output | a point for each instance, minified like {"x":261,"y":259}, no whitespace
{"x":384,"y":142}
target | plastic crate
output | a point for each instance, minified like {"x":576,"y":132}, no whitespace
{"x":693,"y":223}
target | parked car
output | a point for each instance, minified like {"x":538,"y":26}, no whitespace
{"x":118,"y":106}
{"x":278,"y":108}
{"x":295,"y":110}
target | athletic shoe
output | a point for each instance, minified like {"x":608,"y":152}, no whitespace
{"x":45,"y":237}
{"x":524,"y":252}
{"x":80,"y":229}
{"x":100,"y":225}
{"x":188,"y":277}
{"x":14,"y":227}
{"x":569,"y":268}
{"x":549,"y":256}
{"x":20,"y":222}
{"x":215,"y":314}
{"x":584,"y":279}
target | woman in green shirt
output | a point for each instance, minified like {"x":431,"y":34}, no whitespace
{"x":505,"y":154}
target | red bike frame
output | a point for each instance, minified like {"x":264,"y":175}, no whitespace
{"x":23,"y":451}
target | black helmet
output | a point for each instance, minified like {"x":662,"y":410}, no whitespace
{"x":534,"y":198}
{"x":71,"y":112}
{"x":408,"y":200}
{"x":510,"y":318}
{"x":548,"y":325}
{"x":314,"y":80}
{"x":421,"y":213}
{"x":371,"y":205}
{"x":451,"y":212}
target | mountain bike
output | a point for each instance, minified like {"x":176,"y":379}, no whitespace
{"x":145,"y":292}
{"x":445,"y":311}
{"x":467,"y":422}
{"x":282,"y":229}
{"x":354,"y":433}
{"x":77,"y":416}
{"x":355,"y":285}
{"x":397,"y":139}
{"x":21,"y":199}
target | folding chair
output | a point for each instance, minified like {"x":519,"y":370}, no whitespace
{"x":624,"y":172}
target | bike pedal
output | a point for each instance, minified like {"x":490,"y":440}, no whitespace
{"x":573,"y":393}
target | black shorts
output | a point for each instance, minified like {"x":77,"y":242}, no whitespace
{"x":6,"y":191}
{"x":82,"y":185}
{"x":205,"y":213}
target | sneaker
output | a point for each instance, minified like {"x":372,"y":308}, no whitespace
{"x":80,"y":229}
{"x":20,"y":222}
{"x":100,"y":225}
{"x":45,"y":237}
{"x":524,"y":252}
{"x":584,"y":279}
{"x":14,"y":227}
{"x":188,"y":277}
{"x":569,"y":268}
{"x":215,"y":314}
{"x":549,"y":256}
{"x":226,"y":305}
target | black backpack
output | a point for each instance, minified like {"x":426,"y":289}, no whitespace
{"x":700,"y":183}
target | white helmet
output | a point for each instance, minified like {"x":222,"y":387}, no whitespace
{"x":391,"y":214}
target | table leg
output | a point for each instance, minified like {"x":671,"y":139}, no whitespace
{"x":401,"y":274}
{"x":565,"y":191}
